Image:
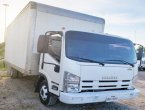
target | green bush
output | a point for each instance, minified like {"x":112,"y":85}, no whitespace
{"x":2,"y":51}
{"x":2,"y":65}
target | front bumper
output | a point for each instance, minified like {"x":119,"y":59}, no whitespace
{"x":92,"y":97}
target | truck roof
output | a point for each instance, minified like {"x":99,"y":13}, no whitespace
{"x":64,"y":12}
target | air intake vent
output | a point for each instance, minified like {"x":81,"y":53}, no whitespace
{"x":87,"y":86}
{"x":125,"y":80}
{"x":87,"y":81}
{"x":124,"y":85}
{"x":108,"y":81}
{"x":108,"y":86}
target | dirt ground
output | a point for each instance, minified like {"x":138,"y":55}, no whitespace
{"x":18,"y":94}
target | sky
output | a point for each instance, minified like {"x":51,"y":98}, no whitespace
{"x":125,"y":18}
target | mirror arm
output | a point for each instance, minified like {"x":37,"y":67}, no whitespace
{"x":56,"y":68}
{"x":42,"y":65}
{"x":50,"y":63}
{"x":43,"y":62}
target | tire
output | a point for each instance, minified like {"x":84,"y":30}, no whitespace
{"x":141,"y":68}
{"x":45,"y":96}
{"x":14,"y":73}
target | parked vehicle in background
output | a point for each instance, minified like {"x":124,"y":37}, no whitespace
{"x":140,"y":56}
{"x":76,"y":62}
{"x":143,"y":61}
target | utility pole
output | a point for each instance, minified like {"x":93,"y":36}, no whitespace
{"x":5,"y":5}
{"x":135,"y":36}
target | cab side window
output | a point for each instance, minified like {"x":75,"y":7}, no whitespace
{"x":54,"y":46}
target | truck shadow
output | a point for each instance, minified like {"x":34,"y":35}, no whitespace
{"x":94,"y":106}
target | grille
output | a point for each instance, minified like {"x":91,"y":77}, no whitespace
{"x":90,"y":85}
{"x":98,"y":90}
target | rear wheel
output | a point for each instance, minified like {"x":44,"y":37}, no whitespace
{"x":45,"y":96}
{"x":12,"y":72}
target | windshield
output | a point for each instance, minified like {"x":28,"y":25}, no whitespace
{"x":100,"y":48}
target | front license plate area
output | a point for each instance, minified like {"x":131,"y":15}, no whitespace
{"x":111,"y":99}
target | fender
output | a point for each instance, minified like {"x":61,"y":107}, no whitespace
{"x":38,"y":81}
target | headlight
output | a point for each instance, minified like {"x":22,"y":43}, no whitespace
{"x":71,"y":82}
{"x":131,"y":87}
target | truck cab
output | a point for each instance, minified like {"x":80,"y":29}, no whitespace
{"x":81,"y":67}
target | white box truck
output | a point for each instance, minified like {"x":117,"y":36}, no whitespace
{"x":75,"y":61}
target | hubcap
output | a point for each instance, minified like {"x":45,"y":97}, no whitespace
{"x":44,"y":92}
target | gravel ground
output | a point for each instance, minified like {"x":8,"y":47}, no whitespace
{"x":18,"y":94}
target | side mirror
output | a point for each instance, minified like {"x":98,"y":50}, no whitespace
{"x":57,"y":68}
{"x":42,"y":45}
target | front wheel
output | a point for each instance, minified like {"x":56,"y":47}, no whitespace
{"x":45,"y":97}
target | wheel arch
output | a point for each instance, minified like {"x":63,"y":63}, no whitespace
{"x":39,"y":80}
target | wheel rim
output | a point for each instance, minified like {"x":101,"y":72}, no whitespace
{"x":44,"y":92}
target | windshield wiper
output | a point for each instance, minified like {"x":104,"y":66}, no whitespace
{"x":89,"y":60}
{"x":125,"y":62}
